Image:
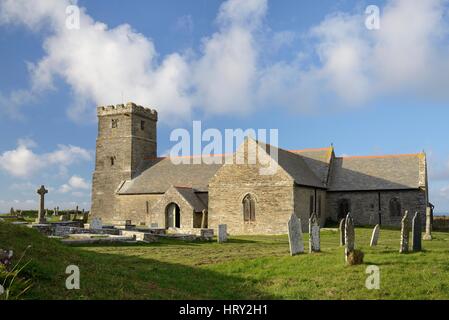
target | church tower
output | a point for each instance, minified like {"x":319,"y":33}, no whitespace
{"x":126,"y":136}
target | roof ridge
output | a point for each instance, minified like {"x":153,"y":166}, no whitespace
{"x":382,"y":156}
{"x":310,"y":149}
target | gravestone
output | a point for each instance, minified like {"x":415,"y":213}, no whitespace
{"x":12,"y":212}
{"x":405,"y":233}
{"x":46,"y":212}
{"x":428,"y":235}
{"x":96,"y":223}
{"x":40,"y":215}
{"x":342,"y":232}
{"x":295,"y":235}
{"x":375,"y":236}
{"x":314,"y":234}
{"x":222,"y":233}
{"x":416,"y":232}
{"x":349,"y":236}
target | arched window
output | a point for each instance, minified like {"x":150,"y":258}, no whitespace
{"x":249,"y":208}
{"x":114,"y":123}
{"x":112,"y":161}
{"x":395,"y":207}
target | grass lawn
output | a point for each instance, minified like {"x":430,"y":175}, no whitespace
{"x":249,"y":267}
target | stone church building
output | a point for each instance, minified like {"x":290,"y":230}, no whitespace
{"x":131,"y":183}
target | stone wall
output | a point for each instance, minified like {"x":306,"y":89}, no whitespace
{"x":126,"y":135}
{"x":134,"y":208}
{"x":273,"y":194}
{"x":303,"y":197}
{"x":364,"y":205}
{"x":440,"y":223}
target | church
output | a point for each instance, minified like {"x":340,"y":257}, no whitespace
{"x":131,"y":182}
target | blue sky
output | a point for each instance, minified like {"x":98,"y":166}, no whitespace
{"x":310,"y":69}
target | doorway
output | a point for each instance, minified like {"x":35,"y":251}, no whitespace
{"x":172,"y":216}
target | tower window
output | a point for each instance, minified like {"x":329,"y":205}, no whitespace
{"x":114,"y":123}
{"x":112,"y":161}
{"x":142,"y":125}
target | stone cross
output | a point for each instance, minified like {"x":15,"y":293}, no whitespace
{"x":375,"y":236}
{"x":314,"y":234}
{"x":349,"y":236}
{"x":405,"y":233}
{"x":222,"y":233}
{"x":295,"y":235}
{"x":416,"y":232}
{"x":428,"y":235}
{"x":342,"y":232}
{"x":40,"y":216}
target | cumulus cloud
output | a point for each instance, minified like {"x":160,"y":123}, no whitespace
{"x":74,"y":183}
{"x":23,"y":162}
{"x":346,"y":66}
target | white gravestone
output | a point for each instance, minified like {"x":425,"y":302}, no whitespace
{"x":375,"y":236}
{"x":96,"y":223}
{"x":405,"y":233}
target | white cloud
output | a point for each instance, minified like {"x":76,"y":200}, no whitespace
{"x":74,"y":183}
{"x":23,"y":162}
{"x":229,"y":73}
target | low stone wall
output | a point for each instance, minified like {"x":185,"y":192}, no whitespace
{"x":440,"y":223}
{"x":61,"y":231}
{"x":140,"y":236}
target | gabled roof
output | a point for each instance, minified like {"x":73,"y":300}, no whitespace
{"x":295,"y":166}
{"x":163,"y":173}
{"x":191,"y":197}
{"x":378,"y":172}
{"x":318,"y":160}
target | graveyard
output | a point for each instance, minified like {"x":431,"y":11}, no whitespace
{"x":243,"y":267}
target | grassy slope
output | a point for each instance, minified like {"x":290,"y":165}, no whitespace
{"x":244,"y":268}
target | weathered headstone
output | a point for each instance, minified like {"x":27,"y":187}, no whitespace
{"x":40,"y":216}
{"x":405,"y":233}
{"x":64,"y":217}
{"x":222,"y":233}
{"x":349,"y":236}
{"x":428,"y":235}
{"x":342,"y":232}
{"x":46,"y":212}
{"x":375,"y":236}
{"x":96,"y":223}
{"x":314,"y":234}
{"x":416,"y":232}
{"x":295,"y":235}
{"x":12,"y":211}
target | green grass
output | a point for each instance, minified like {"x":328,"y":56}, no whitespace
{"x":250,"y":267}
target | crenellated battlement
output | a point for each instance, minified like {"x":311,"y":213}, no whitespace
{"x":130,"y":107}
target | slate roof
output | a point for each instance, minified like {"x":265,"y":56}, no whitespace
{"x":296,"y":167}
{"x":377,"y":173}
{"x":192,"y":198}
{"x":309,"y":167}
{"x":318,"y":160}
{"x":163,"y":173}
